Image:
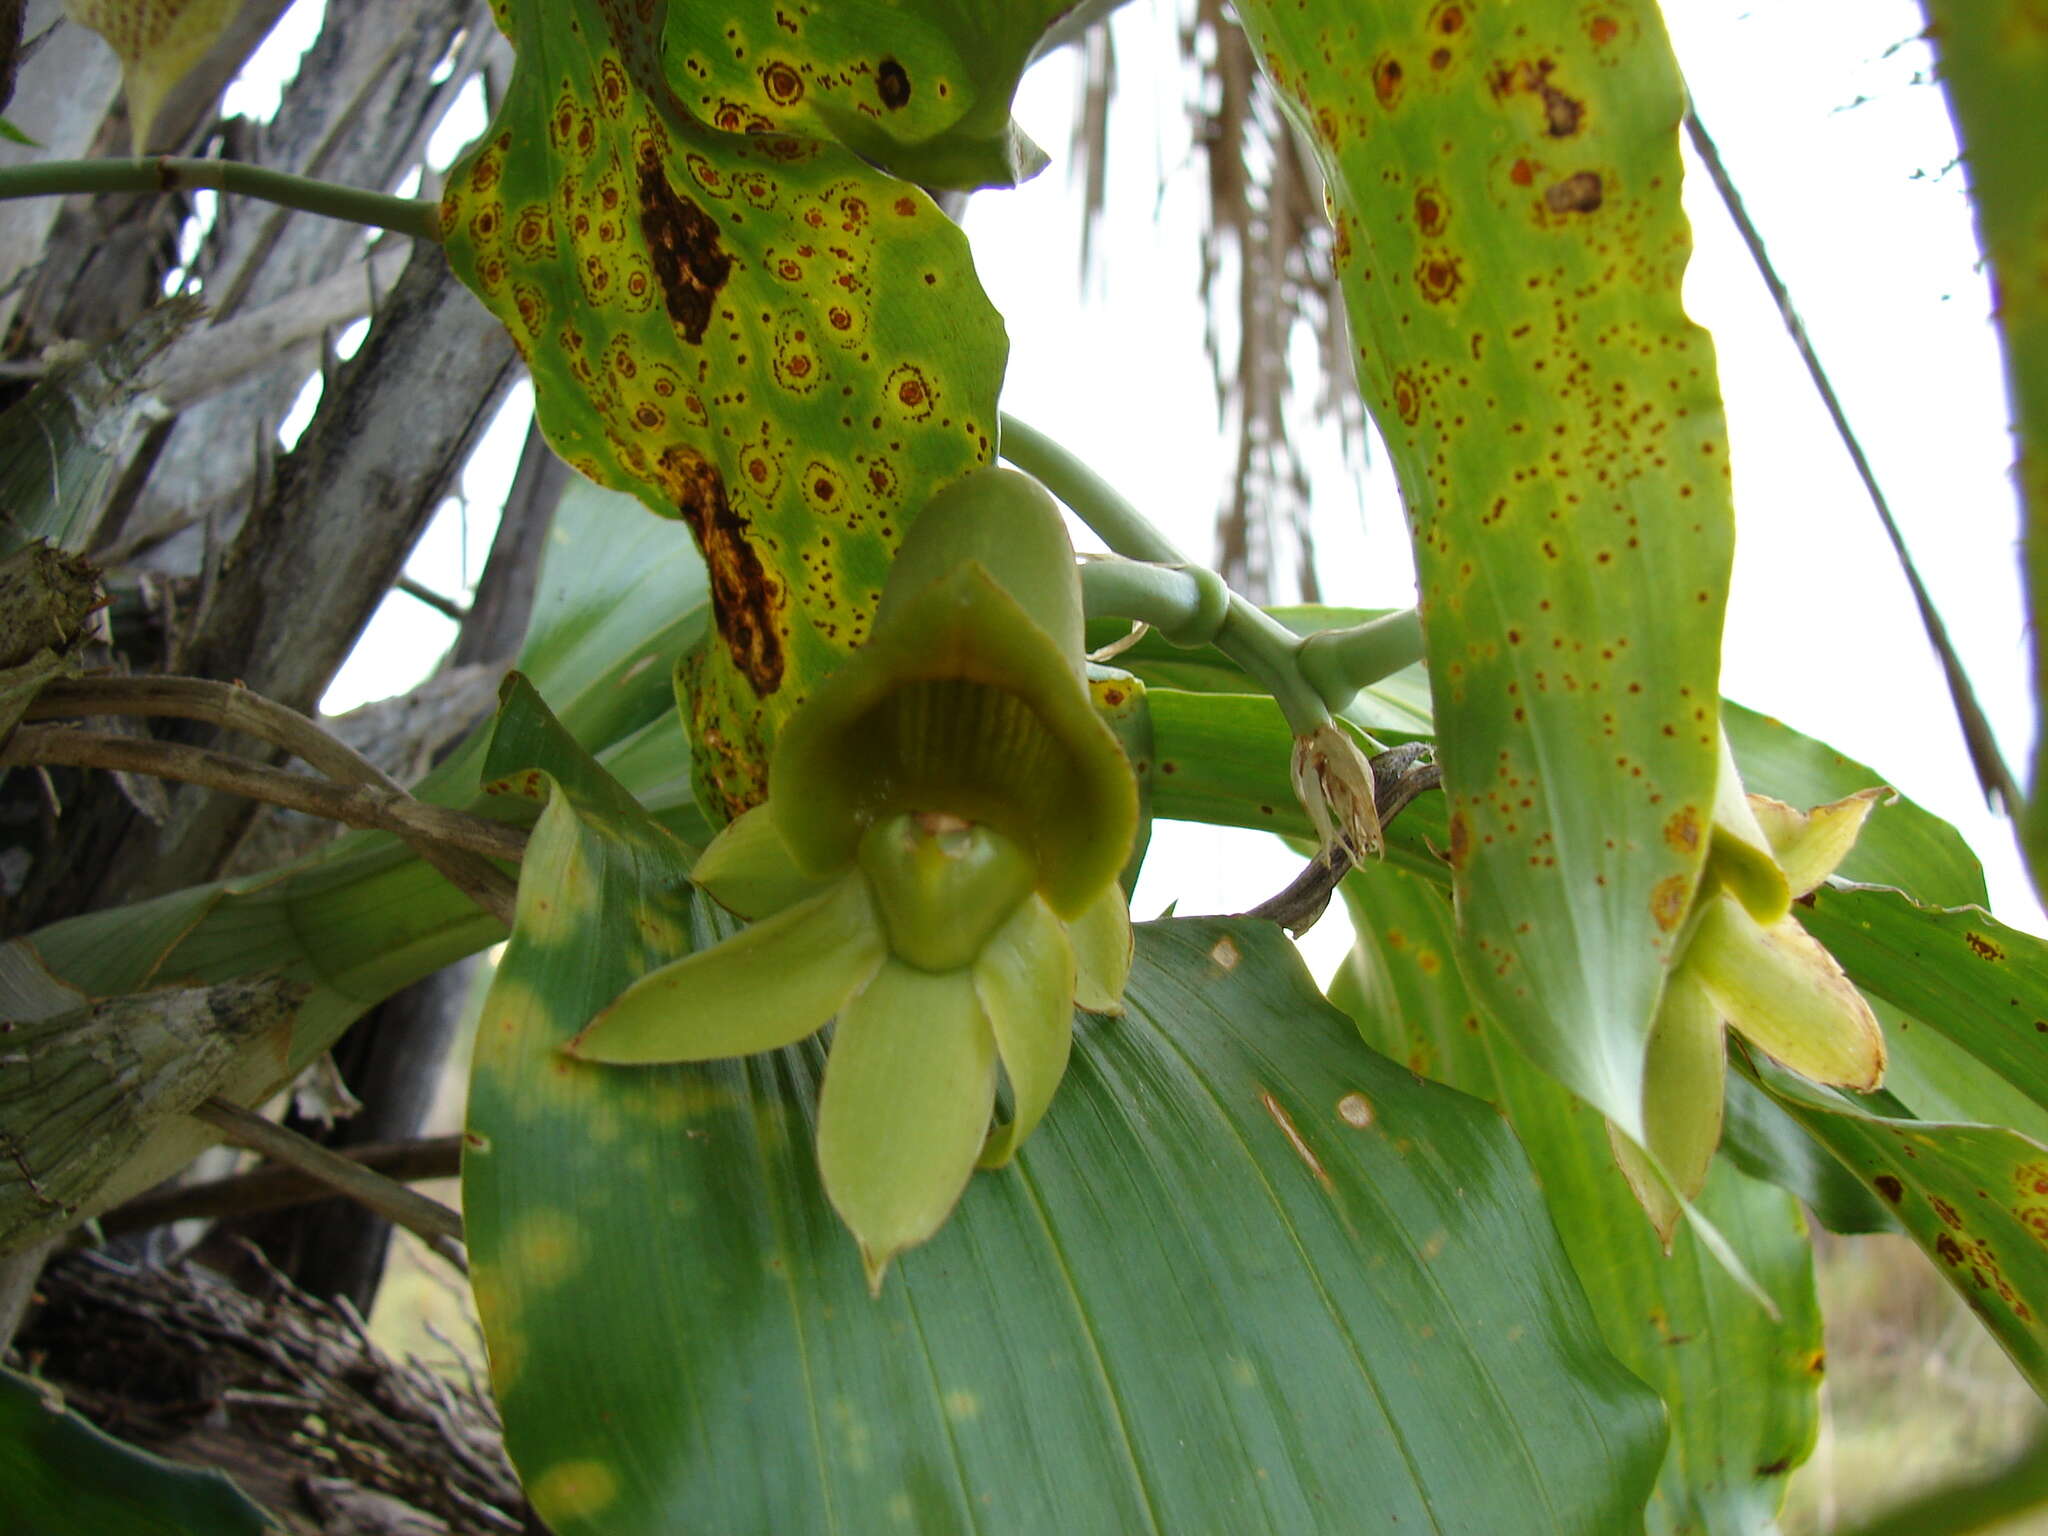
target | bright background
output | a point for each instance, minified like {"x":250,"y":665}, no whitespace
{"x":1845,"y":155}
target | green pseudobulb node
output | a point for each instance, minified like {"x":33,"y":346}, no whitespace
{"x":968,"y":700}
{"x":943,"y":886}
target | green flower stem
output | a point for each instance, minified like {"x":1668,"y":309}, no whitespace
{"x":1095,"y":501}
{"x":1266,"y":649}
{"x":167,"y":173}
{"x":1339,"y":662}
{"x":1167,"y":597}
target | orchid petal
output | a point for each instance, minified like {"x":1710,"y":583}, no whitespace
{"x":1779,"y":988}
{"x":908,"y":1091}
{"x":759,"y":990}
{"x":1024,"y":979}
{"x":1739,"y":855}
{"x":1684,"y":1075}
{"x":748,"y":869}
{"x":1809,"y":844}
{"x":1102,"y":942}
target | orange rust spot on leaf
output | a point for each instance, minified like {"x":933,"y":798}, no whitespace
{"x":1461,"y":840}
{"x":1407,"y":399}
{"x":1438,"y":277}
{"x":1432,"y":211}
{"x":1682,"y":831}
{"x":1668,"y":901}
{"x":784,"y":85}
{"x":1386,"y":81}
{"x":1301,"y":1148}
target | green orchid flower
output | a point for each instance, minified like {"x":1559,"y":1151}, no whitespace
{"x":935,"y":866}
{"x":1748,"y":965}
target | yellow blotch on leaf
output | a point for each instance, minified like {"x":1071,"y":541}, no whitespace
{"x":574,"y":1490}
{"x":544,"y":1248}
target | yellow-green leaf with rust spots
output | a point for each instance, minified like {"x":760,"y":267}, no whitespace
{"x":1505,"y":185}
{"x":1994,"y":67}
{"x":758,"y":333}
{"x":919,"y":87}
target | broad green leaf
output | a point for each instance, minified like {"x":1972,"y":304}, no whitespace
{"x":1959,"y":972}
{"x":920,"y":87}
{"x":1244,"y":1274}
{"x":1679,"y":1321}
{"x":1994,"y":67}
{"x":1973,"y":1197}
{"x":1505,"y":186}
{"x":63,"y":1477}
{"x":1758,"y":1138}
{"x":757,"y":333}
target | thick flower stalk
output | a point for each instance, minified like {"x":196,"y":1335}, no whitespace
{"x":1748,"y":965}
{"x":935,"y":865}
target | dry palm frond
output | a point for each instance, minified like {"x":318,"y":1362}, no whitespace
{"x":1267,"y":236}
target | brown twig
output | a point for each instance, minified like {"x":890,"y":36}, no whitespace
{"x":276,"y":1186}
{"x":430,"y":1221}
{"x":1399,"y":775}
{"x":358,"y":805}
{"x":239,"y":709}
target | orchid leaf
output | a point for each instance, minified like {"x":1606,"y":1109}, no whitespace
{"x":920,"y":88}
{"x":1505,"y":183}
{"x":64,"y":1477}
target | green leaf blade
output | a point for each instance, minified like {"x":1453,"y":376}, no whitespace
{"x":1160,"y":1317}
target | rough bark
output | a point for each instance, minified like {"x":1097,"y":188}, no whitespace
{"x":309,"y":566}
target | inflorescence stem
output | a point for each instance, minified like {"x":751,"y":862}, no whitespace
{"x":1157,"y":585}
{"x":171,"y":173}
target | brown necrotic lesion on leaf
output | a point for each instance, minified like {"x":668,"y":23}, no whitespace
{"x":1580,"y":193}
{"x":689,"y":263}
{"x":746,"y":602}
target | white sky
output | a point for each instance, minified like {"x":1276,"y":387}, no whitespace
{"x":1870,"y":229}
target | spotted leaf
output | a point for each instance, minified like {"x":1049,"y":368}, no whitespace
{"x":756,"y":332}
{"x":1505,"y":185}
